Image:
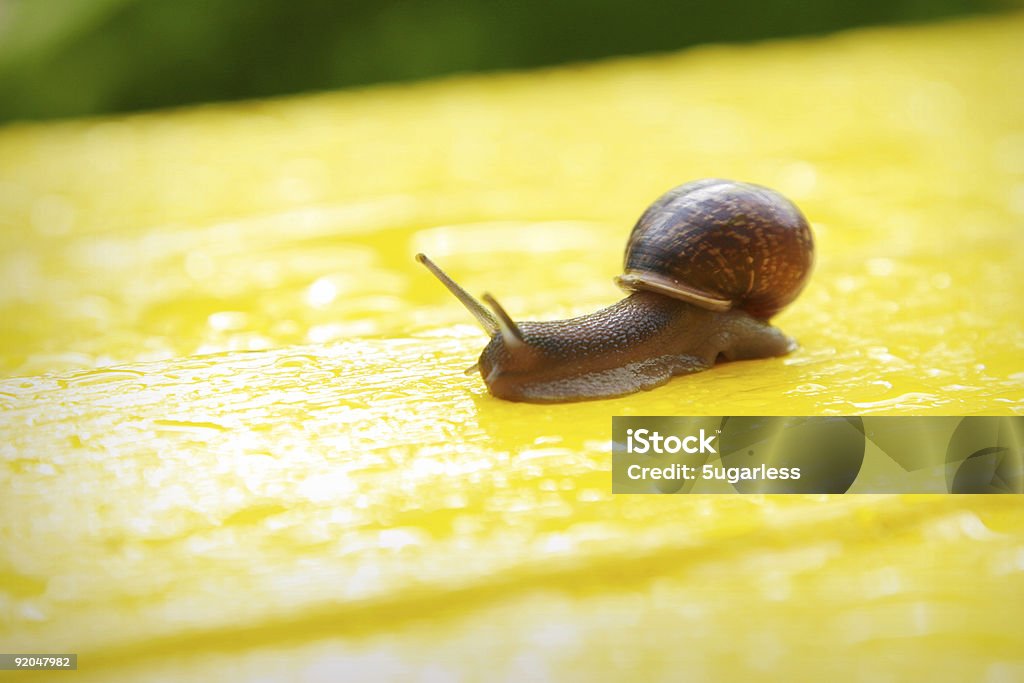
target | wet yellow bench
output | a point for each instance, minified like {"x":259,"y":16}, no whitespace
{"x":238,"y":443}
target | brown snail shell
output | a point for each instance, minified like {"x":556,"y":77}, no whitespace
{"x":721,"y":244}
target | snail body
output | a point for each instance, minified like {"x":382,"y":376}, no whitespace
{"x":706,"y":266}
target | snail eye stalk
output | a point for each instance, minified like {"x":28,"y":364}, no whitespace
{"x":510,"y":332}
{"x":482,"y":315}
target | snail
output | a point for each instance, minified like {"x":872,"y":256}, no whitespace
{"x":706,"y":266}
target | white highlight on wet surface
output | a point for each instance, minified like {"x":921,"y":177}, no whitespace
{"x":322,"y":292}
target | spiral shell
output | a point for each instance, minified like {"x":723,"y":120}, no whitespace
{"x":721,"y":244}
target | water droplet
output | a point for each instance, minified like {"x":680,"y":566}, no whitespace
{"x":295,"y":361}
{"x":908,"y":399}
{"x":32,"y":612}
{"x":846,"y":284}
{"x":224,"y":321}
{"x":881,"y":267}
{"x":322,"y":292}
{"x":102,"y":375}
{"x":196,"y":426}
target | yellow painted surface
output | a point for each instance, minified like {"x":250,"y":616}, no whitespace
{"x":237,"y":443}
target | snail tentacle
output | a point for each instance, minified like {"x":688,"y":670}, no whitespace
{"x":510,"y":332}
{"x":482,"y":315}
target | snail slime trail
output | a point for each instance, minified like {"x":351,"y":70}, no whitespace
{"x":706,"y":266}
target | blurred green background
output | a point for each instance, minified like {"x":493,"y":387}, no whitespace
{"x":61,"y":58}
